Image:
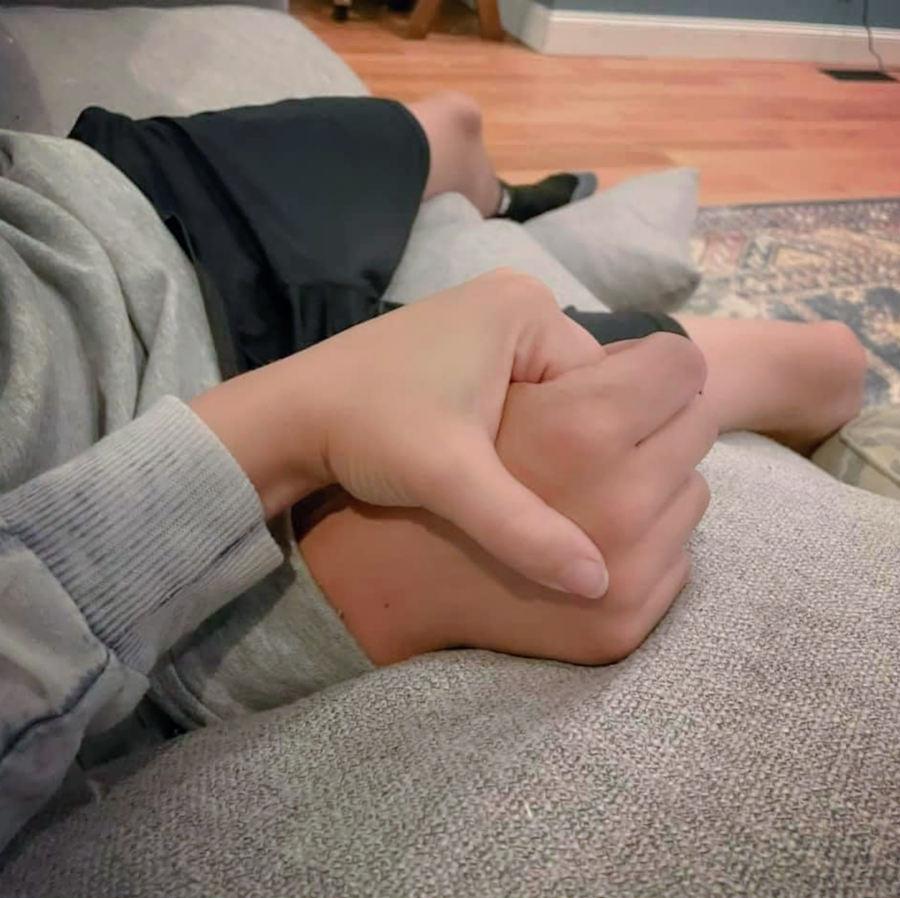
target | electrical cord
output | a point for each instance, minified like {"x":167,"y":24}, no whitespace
{"x":870,"y":37}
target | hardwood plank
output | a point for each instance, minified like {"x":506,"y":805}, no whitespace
{"x":758,"y":132}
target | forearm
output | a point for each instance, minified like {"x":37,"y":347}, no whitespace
{"x":268,"y":420}
{"x":104,"y":563}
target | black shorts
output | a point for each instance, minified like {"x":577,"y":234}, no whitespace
{"x":295,"y":214}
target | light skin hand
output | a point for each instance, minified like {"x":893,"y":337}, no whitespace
{"x":404,"y":411}
{"x":613,"y":445}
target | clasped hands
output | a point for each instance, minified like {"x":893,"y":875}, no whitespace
{"x":514,"y":486}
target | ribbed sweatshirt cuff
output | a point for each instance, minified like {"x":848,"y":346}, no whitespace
{"x":150,"y":531}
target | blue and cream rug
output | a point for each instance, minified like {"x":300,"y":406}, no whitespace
{"x":809,"y":262}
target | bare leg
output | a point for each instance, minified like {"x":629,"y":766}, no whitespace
{"x":796,"y":383}
{"x":460,"y":164}
{"x":459,"y":161}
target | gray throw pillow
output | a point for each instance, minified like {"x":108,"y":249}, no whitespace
{"x":450,"y":244}
{"x":629,"y":245}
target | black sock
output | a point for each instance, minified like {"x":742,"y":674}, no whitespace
{"x":520,"y":202}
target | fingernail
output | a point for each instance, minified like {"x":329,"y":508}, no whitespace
{"x":585,"y":577}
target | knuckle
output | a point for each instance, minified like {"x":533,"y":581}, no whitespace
{"x":640,"y":607}
{"x":522,"y":287}
{"x":630,"y":586}
{"x":609,"y":420}
{"x":677,"y":577}
{"x":597,"y":646}
{"x":701,"y":495}
{"x":622,"y":641}
{"x":504,"y":274}
{"x":709,"y":422}
{"x":635,"y":625}
{"x":463,"y":107}
{"x":682,"y":358}
{"x":633,"y":508}
{"x":683,"y":572}
{"x":436,"y":473}
{"x":587,"y":442}
{"x":603,"y":425}
{"x":577,"y":434}
{"x":497,"y":277}
{"x":692,"y":362}
{"x":618,"y":631}
{"x":703,"y":420}
{"x":594,"y":655}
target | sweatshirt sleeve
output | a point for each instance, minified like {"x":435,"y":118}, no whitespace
{"x":104,"y":563}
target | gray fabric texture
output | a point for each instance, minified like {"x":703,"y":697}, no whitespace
{"x":111,"y":551}
{"x":104,"y":563}
{"x":143,"y":62}
{"x":451,"y":243}
{"x":276,"y":642}
{"x":748,"y":748}
{"x":630,"y":245}
{"x":101,"y":310}
{"x":105,"y":559}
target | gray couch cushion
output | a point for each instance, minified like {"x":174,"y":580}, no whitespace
{"x":54,"y":62}
{"x":451,"y":243}
{"x":750,"y":747}
{"x":631,"y":244}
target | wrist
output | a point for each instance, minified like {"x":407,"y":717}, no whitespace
{"x":267,"y":422}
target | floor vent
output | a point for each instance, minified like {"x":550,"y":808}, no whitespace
{"x":857,"y":75}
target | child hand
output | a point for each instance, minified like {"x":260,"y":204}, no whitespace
{"x":614,"y":445}
{"x":404,"y":411}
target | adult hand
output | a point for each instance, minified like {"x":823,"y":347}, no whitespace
{"x":405,"y":410}
{"x":614,"y":445}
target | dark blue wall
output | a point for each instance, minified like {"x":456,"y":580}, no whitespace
{"x":882,"y":13}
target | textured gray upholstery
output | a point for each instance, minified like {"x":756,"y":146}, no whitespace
{"x":750,"y":747}
{"x":142,"y":62}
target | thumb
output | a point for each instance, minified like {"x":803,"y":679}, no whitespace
{"x":517,"y":527}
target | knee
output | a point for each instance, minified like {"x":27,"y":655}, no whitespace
{"x":849,"y":363}
{"x":846,"y":346}
{"x":462,"y":111}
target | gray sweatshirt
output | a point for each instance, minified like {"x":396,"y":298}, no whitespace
{"x":124,"y":523}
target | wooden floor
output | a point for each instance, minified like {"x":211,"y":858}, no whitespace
{"x":758,"y":132}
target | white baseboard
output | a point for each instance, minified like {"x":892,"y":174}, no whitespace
{"x":562,"y":32}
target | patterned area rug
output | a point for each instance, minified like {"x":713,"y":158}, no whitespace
{"x":809,"y":262}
